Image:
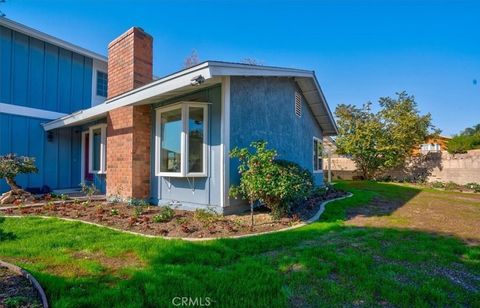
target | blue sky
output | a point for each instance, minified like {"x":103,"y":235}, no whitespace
{"x":360,"y":50}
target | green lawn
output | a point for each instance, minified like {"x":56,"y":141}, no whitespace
{"x":328,"y":263}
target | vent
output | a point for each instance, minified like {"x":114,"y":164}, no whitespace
{"x":298,"y":104}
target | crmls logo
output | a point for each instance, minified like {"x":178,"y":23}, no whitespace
{"x":192,"y":301}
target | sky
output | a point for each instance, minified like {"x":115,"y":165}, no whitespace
{"x":359,"y":50}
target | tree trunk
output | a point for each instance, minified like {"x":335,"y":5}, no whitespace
{"x":13,"y":185}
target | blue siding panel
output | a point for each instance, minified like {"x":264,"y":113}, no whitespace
{"x":87,"y":82}
{"x":36,"y":134}
{"x":76,"y":98}
{"x":20,"y":68}
{"x":36,"y":73}
{"x":64,"y":81}
{"x":5,"y":64}
{"x":51,"y":78}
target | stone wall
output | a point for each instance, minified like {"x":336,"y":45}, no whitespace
{"x":444,"y":167}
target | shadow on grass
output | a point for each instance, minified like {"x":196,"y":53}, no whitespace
{"x":5,"y":236}
{"x":322,"y":264}
{"x":313,"y":266}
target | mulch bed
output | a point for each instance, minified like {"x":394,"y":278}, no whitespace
{"x":198,"y":224}
{"x":17,"y":291}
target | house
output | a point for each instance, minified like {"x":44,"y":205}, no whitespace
{"x":165,"y":140}
{"x":433,"y":145}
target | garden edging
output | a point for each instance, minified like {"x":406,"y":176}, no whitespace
{"x":20,"y":271}
{"x":191,"y":239}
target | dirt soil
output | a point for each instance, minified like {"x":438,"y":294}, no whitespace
{"x":183,"y":223}
{"x":17,"y":291}
{"x":449,"y":213}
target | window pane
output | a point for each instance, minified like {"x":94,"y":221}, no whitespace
{"x":102,"y":83}
{"x":315,"y":154}
{"x":171,"y":132}
{"x":97,"y":140}
{"x":196,"y":130}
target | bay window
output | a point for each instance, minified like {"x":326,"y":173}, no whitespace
{"x":317,"y":155}
{"x":97,"y":148}
{"x":181,"y":140}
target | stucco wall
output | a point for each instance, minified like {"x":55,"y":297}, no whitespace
{"x":444,"y":167}
{"x":200,"y":191}
{"x":264,"y":109}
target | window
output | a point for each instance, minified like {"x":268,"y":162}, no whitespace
{"x":181,"y":140}
{"x":317,"y":155}
{"x":102,"y":84}
{"x":298,"y":104}
{"x":97,"y":148}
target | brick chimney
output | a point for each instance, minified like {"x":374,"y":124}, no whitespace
{"x":129,"y":128}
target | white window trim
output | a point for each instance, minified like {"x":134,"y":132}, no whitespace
{"x":103,"y":140}
{"x":313,"y":161}
{"x":184,"y":106}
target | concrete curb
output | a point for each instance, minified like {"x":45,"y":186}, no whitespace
{"x":33,"y":281}
{"x":192,"y":239}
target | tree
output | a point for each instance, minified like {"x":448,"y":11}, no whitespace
{"x":468,"y":139}
{"x":191,"y":60}
{"x":383,"y":140}
{"x":275,"y":183}
{"x":11,"y":166}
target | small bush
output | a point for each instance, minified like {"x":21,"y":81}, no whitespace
{"x":114,"y":212}
{"x":452,"y":186}
{"x":166,"y":214}
{"x":206,"y":216}
{"x":137,"y":211}
{"x":438,"y":185}
{"x":137,"y":202}
{"x":275,"y":183}
{"x":473,"y":186}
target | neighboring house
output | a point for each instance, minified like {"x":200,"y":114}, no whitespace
{"x":169,"y":140}
{"x":433,"y":145}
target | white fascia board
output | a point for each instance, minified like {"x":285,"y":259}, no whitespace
{"x":29,"y":112}
{"x":324,"y":101}
{"x":232,"y":69}
{"x":50,"y":39}
{"x":134,"y":97}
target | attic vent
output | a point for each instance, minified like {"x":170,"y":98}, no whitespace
{"x":298,"y":104}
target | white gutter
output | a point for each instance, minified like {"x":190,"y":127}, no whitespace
{"x":50,"y":39}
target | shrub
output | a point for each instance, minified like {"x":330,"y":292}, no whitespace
{"x":205,"y":216}
{"x":89,"y":190}
{"x":12,"y":165}
{"x":452,"y":186}
{"x":264,"y":179}
{"x":473,"y":186}
{"x":166,"y":214}
{"x":463,"y":143}
{"x":137,"y":202}
{"x":437,"y":184}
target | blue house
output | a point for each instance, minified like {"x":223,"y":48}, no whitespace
{"x":167,"y":140}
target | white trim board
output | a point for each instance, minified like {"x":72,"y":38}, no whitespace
{"x":30,"y":112}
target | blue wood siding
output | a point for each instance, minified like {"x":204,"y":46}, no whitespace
{"x":57,"y":160}
{"x":39,"y":75}
{"x":264,"y":109}
{"x":193,"y":192}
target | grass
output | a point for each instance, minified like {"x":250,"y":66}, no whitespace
{"x":328,"y":263}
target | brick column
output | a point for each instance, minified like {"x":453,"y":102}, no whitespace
{"x":129,"y":128}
